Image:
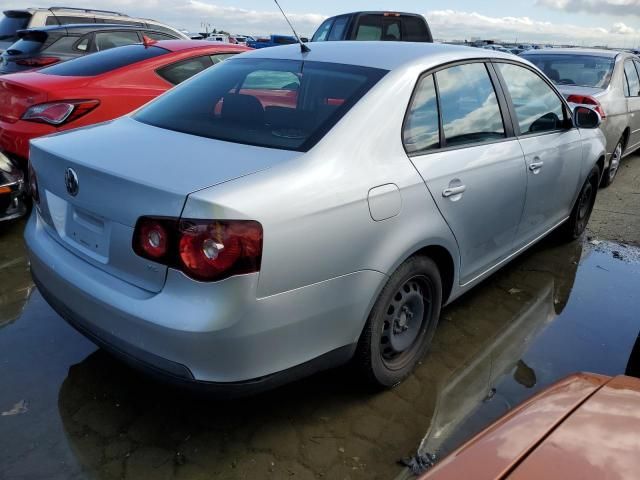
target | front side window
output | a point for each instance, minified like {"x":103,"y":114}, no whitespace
{"x":468,"y":105}
{"x":107,"y":40}
{"x":157,"y":36}
{"x":538,"y":108}
{"x":421,"y":130}
{"x":322,"y":34}
{"x":284,"y":104}
{"x":632,"y":78}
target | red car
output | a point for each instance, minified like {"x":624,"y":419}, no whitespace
{"x":96,"y":88}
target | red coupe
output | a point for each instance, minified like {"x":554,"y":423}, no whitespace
{"x":96,"y":88}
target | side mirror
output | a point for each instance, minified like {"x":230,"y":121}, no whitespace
{"x":584,"y":117}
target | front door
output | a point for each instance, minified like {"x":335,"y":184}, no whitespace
{"x":473,"y":168}
{"x":552,"y":150}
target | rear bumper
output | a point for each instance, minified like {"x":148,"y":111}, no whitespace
{"x":217,"y":335}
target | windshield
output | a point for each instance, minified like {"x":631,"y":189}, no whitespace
{"x":12,"y":23}
{"x":580,"y":70}
{"x":283,"y":104}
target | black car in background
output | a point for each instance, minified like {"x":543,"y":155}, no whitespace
{"x":39,"y":47}
{"x":375,"y":26}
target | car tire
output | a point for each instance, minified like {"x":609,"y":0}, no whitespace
{"x":614,"y":165}
{"x":401,"y":324}
{"x":581,"y":212}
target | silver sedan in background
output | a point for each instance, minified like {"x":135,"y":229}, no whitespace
{"x":605,"y":80}
{"x":289,"y":211}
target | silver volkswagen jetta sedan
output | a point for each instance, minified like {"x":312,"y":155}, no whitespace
{"x":286,"y":212}
{"x":607,"y":81}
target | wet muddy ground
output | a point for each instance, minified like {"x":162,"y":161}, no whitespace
{"x":69,"y":410}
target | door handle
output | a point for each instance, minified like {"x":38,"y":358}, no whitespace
{"x":450,"y":192}
{"x":535,"y":167}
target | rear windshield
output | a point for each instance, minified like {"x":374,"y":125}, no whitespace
{"x":105,"y":61}
{"x":580,"y":70}
{"x":284,"y":104}
{"x":12,"y":23}
{"x":24,"y":47}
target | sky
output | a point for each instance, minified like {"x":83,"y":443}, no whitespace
{"x":588,"y":22}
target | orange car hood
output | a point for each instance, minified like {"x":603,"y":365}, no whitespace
{"x":583,"y":427}
{"x":600,"y":441}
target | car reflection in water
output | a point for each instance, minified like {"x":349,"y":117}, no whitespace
{"x":15,"y":280}
{"x":120,"y":423}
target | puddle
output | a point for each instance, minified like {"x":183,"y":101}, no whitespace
{"x":557,"y":310}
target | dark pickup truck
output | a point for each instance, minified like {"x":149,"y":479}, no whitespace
{"x":376,"y":26}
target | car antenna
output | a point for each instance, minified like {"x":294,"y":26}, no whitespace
{"x":303,"y":47}
{"x":55,"y":16}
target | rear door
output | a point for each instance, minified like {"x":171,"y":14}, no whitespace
{"x":551,"y":146}
{"x":470,"y":160}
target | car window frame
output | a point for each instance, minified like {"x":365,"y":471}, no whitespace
{"x":626,"y":77}
{"x":512,"y":110}
{"x":505,"y":113}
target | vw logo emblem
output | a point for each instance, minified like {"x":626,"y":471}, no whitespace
{"x":71,"y":181}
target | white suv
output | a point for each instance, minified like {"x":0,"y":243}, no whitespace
{"x":15,"y":20}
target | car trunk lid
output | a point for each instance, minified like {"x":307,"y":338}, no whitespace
{"x":124,"y":170}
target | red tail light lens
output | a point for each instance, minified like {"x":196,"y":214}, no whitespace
{"x":205,"y":250}
{"x":38,"y":62}
{"x":58,"y":113}
{"x":152,"y":240}
{"x":588,"y":100}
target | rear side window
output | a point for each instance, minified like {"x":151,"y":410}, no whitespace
{"x":468,"y":105}
{"x":322,"y":33}
{"x":181,"y":71}
{"x":67,"y":20}
{"x":103,"y":62}
{"x":632,"y":78}
{"x":538,"y":108}
{"x":107,"y":40}
{"x":283,"y":104}
{"x":64,"y":45}
{"x":339,"y":27}
{"x":421,"y":130}
{"x":11,"y":23}
{"x":157,"y":36}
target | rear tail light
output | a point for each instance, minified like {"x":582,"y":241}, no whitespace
{"x":205,"y":250}
{"x":33,"y":184}
{"x":38,"y":62}
{"x":588,"y":100}
{"x":58,"y":113}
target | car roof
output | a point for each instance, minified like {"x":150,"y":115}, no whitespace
{"x":180,"y":45}
{"x":575,"y":51}
{"x":88,"y":27}
{"x":382,"y":55}
{"x":379,"y":12}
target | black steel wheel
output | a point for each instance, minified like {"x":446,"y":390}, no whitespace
{"x":577,"y":222}
{"x":402,"y":323}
